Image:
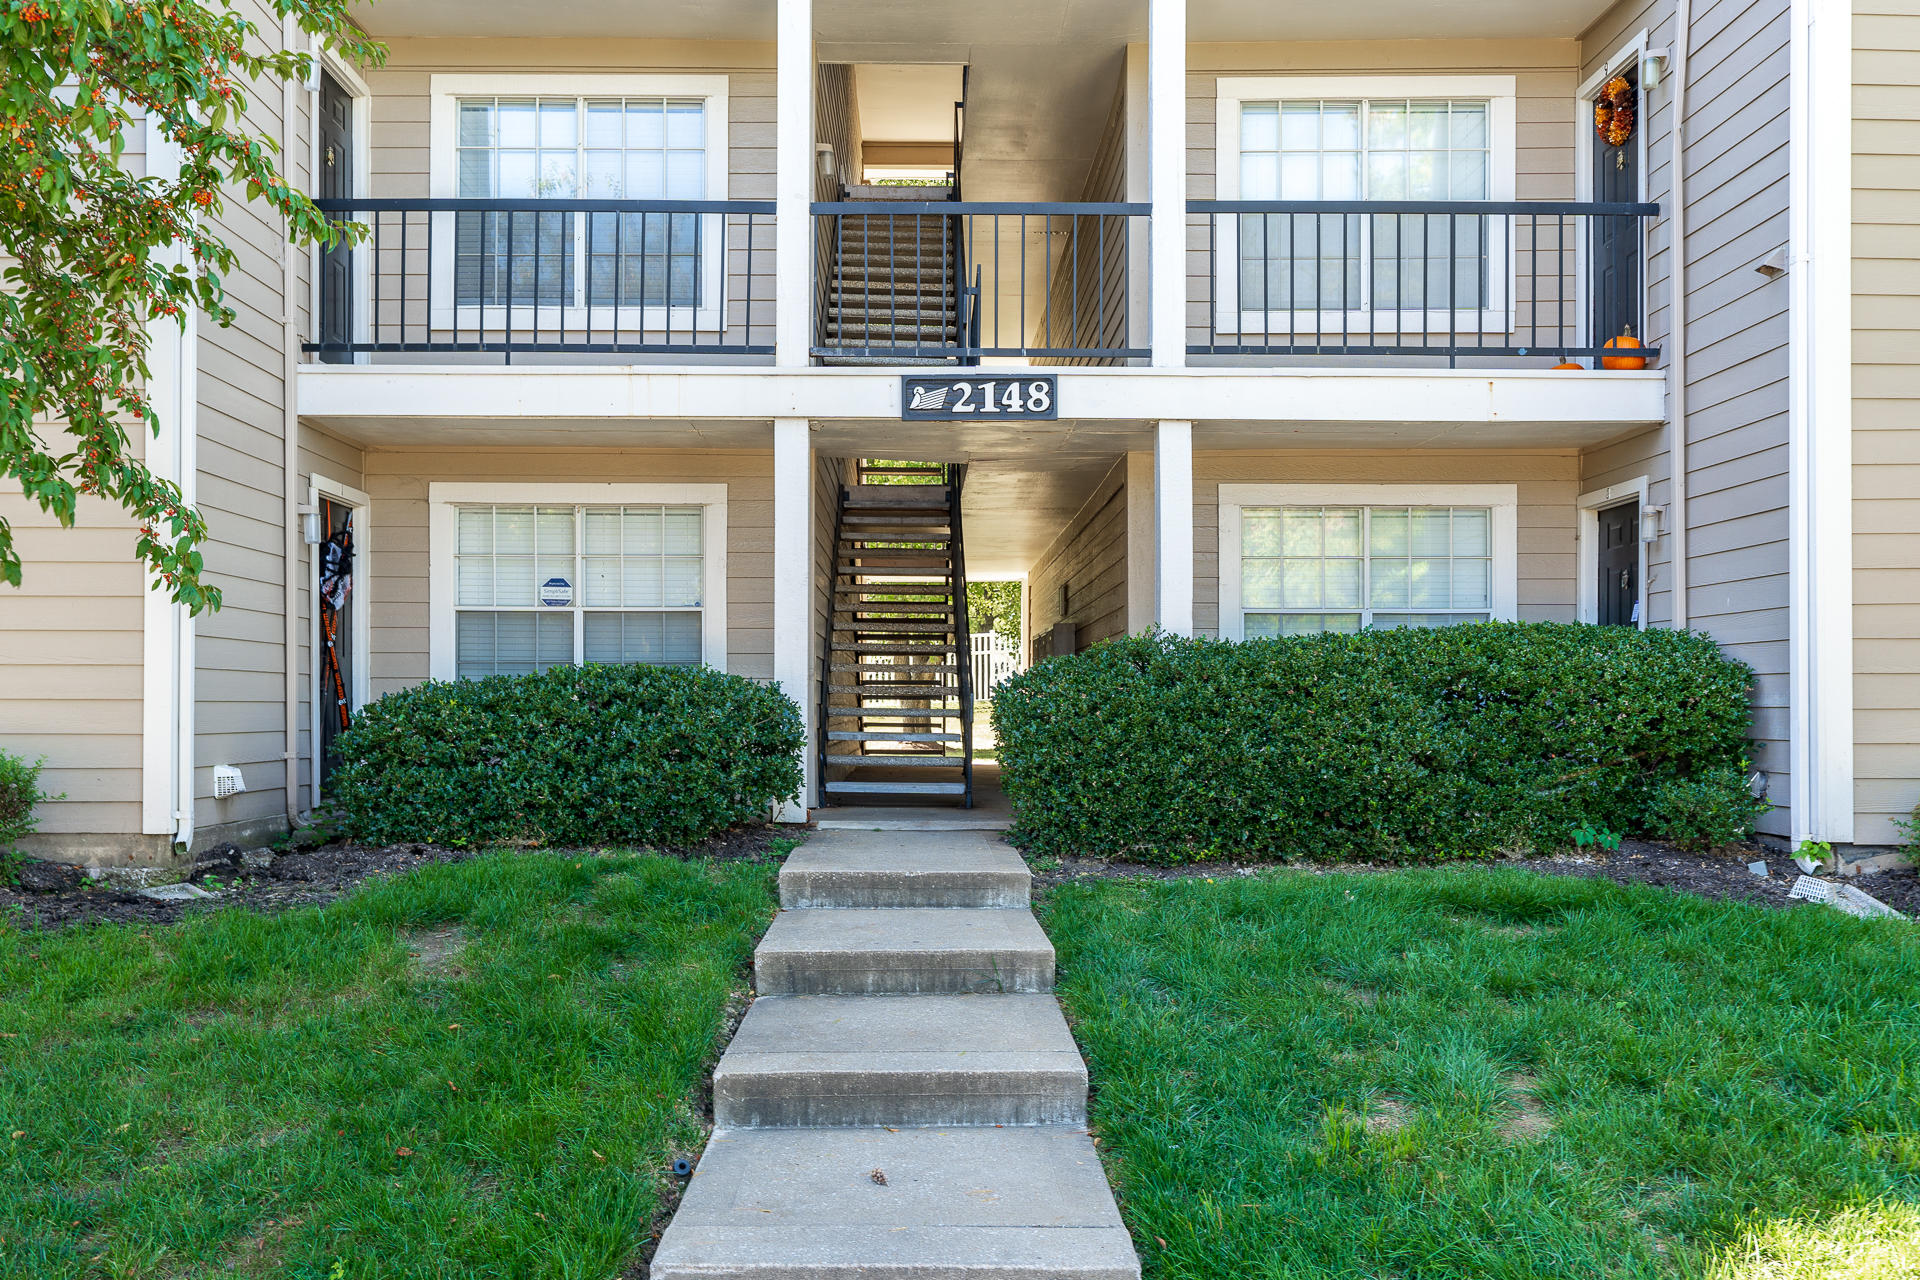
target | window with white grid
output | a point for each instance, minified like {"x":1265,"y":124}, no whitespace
{"x":1305,"y":569}
{"x":538,"y":586}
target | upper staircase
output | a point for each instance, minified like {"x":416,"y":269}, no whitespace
{"x":893,"y":293}
{"x":897,"y":690}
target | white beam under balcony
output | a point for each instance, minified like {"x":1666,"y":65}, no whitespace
{"x":1167,"y":169}
{"x":793,"y":185}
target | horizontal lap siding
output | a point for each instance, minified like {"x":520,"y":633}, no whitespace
{"x":1088,"y":302}
{"x":240,"y":650}
{"x":1737,"y":194}
{"x":1089,"y":561}
{"x":1547,"y":483}
{"x":1886,"y":439}
{"x":72,"y":662}
{"x":1545,"y":80}
{"x":397,"y":481}
{"x":401,"y":161}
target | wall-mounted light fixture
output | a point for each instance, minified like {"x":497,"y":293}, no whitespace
{"x":1650,"y":519}
{"x":823,"y":154}
{"x":1653,"y":68}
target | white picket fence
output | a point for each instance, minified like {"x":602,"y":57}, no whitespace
{"x":993,"y":661}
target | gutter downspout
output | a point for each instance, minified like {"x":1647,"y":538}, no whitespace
{"x":1677,"y":337}
{"x":290,"y":459}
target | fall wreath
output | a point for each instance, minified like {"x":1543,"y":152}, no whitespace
{"x":1613,"y":111}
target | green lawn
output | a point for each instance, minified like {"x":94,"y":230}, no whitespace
{"x":476,"y":1070}
{"x":1436,"y":1074}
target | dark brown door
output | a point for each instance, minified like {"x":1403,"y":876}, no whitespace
{"x":1616,"y":238}
{"x":336,"y":182}
{"x":1619,"y":570}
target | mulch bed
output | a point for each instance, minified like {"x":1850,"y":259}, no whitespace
{"x":304,"y":877}
{"x":1722,"y":876}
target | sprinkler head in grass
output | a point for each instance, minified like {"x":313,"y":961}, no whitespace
{"x":683,"y":1168}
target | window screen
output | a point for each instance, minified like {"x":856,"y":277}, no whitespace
{"x":1308,"y":569}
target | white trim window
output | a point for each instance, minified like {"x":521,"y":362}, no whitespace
{"x":528,"y":577}
{"x":1299,"y":559}
{"x":1421,"y":139}
{"x":634,"y":138}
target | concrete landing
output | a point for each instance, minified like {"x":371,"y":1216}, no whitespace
{"x":919,"y":1204}
{"x":991,"y":810}
{"x":854,"y":868}
{"x":901,"y":1060}
{"x":903,"y":951}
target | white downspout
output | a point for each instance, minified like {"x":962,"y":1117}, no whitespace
{"x":290,"y":458}
{"x":1677,"y":310}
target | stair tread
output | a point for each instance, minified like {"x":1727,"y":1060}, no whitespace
{"x":802,"y":1203}
{"x":904,"y":759}
{"x":865,"y":735}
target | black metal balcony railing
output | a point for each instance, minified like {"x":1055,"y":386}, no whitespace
{"x":1414,"y":278}
{"x":959,"y":280}
{"x":686,"y":277}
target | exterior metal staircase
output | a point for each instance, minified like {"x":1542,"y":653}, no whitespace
{"x":896,"y":710}
{"x":893,"y":288}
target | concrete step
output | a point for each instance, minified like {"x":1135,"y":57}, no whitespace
{"x":851,"y":787}
{"x":825,"y":1061}
{"x":905,"y":951}
{"x":876,"y":869}
{"x":912,"y":1204}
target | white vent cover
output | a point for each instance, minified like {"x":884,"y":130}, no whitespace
{"x":227,"y":781}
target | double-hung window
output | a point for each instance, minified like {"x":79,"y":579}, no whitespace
{"x":1348,"y":557}
{"x":521,"y":584}
{"x":1418,"y":270}
{"x":640,"y":267}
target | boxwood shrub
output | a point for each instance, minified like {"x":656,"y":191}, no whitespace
{"x":571,"y":756}
{"x":1463,"y":741}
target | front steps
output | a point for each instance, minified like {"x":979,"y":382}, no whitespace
{"x":904,"y":1101}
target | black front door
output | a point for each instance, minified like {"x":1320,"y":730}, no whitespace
{"x":336,"y":182}
{"x":1619,"y":570}
{"x":1616,"y":238}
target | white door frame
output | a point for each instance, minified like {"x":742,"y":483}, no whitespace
{"x":361,"y":126}
{"x":1587,"y":546}
{"x":318,"y":487}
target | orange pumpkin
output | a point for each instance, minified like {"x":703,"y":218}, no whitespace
{"x":1570,"y":365}
{"x":1625,"y":341}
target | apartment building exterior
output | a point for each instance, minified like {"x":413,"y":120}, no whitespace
{"x":1231,"y":320}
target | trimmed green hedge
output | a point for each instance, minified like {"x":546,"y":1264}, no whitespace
{"x":20,"y":794}
{"x":574,"y":755}
{"x":1464,"y":741}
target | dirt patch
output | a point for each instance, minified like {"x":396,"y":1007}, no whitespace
{"x":308,"y":877}
{"x":433,"y":951}
{"x":1353,"y":995}
{"x":1720,"y":876}
{"x":1528,"y":1121}
{"x":1385,"y":1116}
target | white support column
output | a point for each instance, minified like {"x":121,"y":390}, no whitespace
{"x":169,"y":661}
{"x":1167,"y":169}
{"x":1173,"y":527}
{"x":793,"y":666}
{"x":793,"y":185}
{"x":1820,"y":424}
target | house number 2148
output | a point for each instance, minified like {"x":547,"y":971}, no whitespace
{"x":947,"y":399}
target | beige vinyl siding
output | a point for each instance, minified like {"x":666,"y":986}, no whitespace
{"x":1737,"y":193}
{"x":240,"y":659}
{"x":1088,"y":561}
{"x":1088,"y":301}
{"x":340,"y":461}
{"x":401,"y":155}
{"x":71,"y":663}
{"x":1886,"y":422}
{"x":1548,"y":484}
{"x":397,"y":482}
{"x":1545,"y":78}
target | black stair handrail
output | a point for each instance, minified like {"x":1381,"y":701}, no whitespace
{"x":956,"y":476}
{"x":826,"y":650}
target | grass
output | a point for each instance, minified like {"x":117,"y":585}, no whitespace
{"x":475,"y":1070}
{"x":1498,"y":1075}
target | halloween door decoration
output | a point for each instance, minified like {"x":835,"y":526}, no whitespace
{"x":336,"y":592}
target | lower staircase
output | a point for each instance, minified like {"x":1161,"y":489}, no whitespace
{"x":897,"y":697}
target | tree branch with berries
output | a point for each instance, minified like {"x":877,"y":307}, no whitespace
{"x":96,"y":256}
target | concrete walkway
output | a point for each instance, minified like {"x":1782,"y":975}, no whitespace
{"x":904,"y":1098}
